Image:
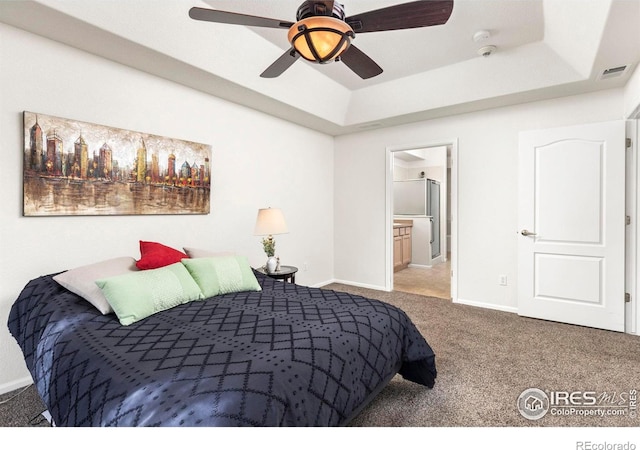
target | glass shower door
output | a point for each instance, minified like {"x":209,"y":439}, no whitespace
{"x":434,"y":212}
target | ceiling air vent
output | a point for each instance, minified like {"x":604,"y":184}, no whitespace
{"x":614,"y":72}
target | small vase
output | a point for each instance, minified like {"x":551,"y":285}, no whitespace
{"x":272,"y":262}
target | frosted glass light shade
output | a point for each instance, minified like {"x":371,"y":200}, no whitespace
{"x":270,"y":221}
{"x":320,"y":38}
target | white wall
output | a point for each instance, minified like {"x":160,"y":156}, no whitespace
{"x":400,"y":170}
{"x":487,"y":190}
{"x":257,"y":161}
{"x":632,"y":95}
{"x":420,"y":242}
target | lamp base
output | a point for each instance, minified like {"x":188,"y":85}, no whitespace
{"x":272,"y":264}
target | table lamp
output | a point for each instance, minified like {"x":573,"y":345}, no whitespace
{"x":270,"y":221}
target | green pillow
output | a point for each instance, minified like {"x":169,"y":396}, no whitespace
{"x":134,"y":296}
{"x":219,"y":275}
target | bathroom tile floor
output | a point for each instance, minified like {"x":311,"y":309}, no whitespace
{"x":432,"y":282}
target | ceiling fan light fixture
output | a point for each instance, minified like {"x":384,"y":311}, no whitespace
{"x":323,"y":33}
{"x":321,"y":39}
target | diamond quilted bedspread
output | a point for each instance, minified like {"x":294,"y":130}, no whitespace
{"x":285,"y":356}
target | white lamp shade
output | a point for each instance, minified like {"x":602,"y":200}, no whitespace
{"x":270,"y":221}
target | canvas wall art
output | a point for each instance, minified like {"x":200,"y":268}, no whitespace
{"x":84,"y":169}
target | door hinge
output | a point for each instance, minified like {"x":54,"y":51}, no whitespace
{"x":628,"y":142}
{"x":628,"y":220}
{"x":627,"y":297}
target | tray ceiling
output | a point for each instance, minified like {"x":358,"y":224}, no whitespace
{"x":544,"y":49}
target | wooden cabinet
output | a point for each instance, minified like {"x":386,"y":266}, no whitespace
{"x":401,"y":246}
{"x":406,"y":247}
{"x":397,"y":252}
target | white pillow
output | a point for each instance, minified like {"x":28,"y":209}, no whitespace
{"x":200,"y":253}
{"x":82,"y":280}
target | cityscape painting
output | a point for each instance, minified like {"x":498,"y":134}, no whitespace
{"x":79,"y":168}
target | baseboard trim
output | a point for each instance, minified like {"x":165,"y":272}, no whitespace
{"x":16,"y":384}
{"x":322,"y":284}
{"x":353,"y":283}
{"x":510,"y":309}
{"x":438,"y":259}
{"x":420,"y":266}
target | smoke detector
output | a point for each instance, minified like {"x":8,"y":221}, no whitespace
{"x":487,"y":50}
{"x":481,"y":35}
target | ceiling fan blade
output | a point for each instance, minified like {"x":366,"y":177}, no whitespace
{"x":212,"y":15}
{"x":360,"y":63}
{"x":418,"y":14}
{"x":281,"y":64}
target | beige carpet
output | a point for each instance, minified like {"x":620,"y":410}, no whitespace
{"x":487,"y":358}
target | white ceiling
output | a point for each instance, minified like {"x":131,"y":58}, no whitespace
{"x":545,"y":49}
{"x":403,"y":53}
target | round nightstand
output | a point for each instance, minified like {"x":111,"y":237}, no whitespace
{"x":286,"y":273}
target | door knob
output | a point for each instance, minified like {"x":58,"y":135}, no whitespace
{"x":527,"y":233}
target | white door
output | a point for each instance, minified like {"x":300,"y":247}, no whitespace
{"x":571,"y":234}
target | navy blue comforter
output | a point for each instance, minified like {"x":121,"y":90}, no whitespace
{"x":286,"y":356}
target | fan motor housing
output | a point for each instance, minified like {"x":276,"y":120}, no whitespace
{"x":313,"y":8}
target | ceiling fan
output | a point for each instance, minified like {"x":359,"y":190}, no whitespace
{"x":323,"y":34}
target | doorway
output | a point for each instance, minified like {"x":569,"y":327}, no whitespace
{"x":432,"y":269}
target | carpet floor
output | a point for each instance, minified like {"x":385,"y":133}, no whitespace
{"x":485,"y":360}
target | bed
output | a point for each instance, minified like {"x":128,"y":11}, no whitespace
{"x":280,"y":355}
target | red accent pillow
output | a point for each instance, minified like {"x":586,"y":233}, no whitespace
{"x":154,"y":255}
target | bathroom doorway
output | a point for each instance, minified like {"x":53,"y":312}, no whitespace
{"x":430,"y":268}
